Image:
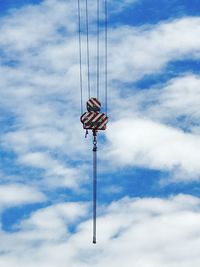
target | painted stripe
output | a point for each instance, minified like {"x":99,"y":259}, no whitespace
{"x":104,"y":116}
{"x":103,"y":126}
{"x":96,"y":102}
{"x":89,"y":117}
{"x":98,"y":117}
{"x":104,"y":123}
{"x":84,"y":116}
{"x":94,"y":120}
{"x":89,"y":114}
{"x":93,"y":123}
{"x":104,"y":119}
{"x":90,"y":103}
{"x":99,"y":120}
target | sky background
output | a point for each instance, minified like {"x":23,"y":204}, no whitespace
{"x":148,"y":158}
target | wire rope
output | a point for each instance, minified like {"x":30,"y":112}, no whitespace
{"x":80,"y":56}
{"x":88,"y":45}
{"x":97,"y":52}
{"x":98,"y":46}
{"x":106,"y":55}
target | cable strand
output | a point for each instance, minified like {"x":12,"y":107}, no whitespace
{"x":98,"y":46}
{"x":80,"y":56}
{"x":88,"y":45}
{"x":106,"y":55}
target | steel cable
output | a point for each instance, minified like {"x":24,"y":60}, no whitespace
{"x":106,"y":55}
{"x":98,"y":46}
{"x":80,"y":56}
{"x":88,"y":45}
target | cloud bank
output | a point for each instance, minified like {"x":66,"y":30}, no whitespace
{"x":145,"y":232}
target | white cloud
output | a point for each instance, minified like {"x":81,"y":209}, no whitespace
{"x":178,"y":100}
{"x":65,"y":176}
{"x":147,"y":232}
{"x":175,"y":102}
{"x":145,"y":143}
{"x":34,"y":25}
{"x":51,"y":223}
{"x":136,"y":52}
{"x":158,"y":128}
{"x":19,"y":194}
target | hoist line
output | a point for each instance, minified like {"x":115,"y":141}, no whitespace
{"x":98,"y":52}
{"x":88,"y":46}
{"x":98,"y":46}
{"x":106,"y":55}
{"x":80,"y":56}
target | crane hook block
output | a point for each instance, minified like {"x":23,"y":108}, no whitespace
{"x":94,"y":119}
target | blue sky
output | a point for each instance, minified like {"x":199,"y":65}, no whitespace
{"x":148,"y":159}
